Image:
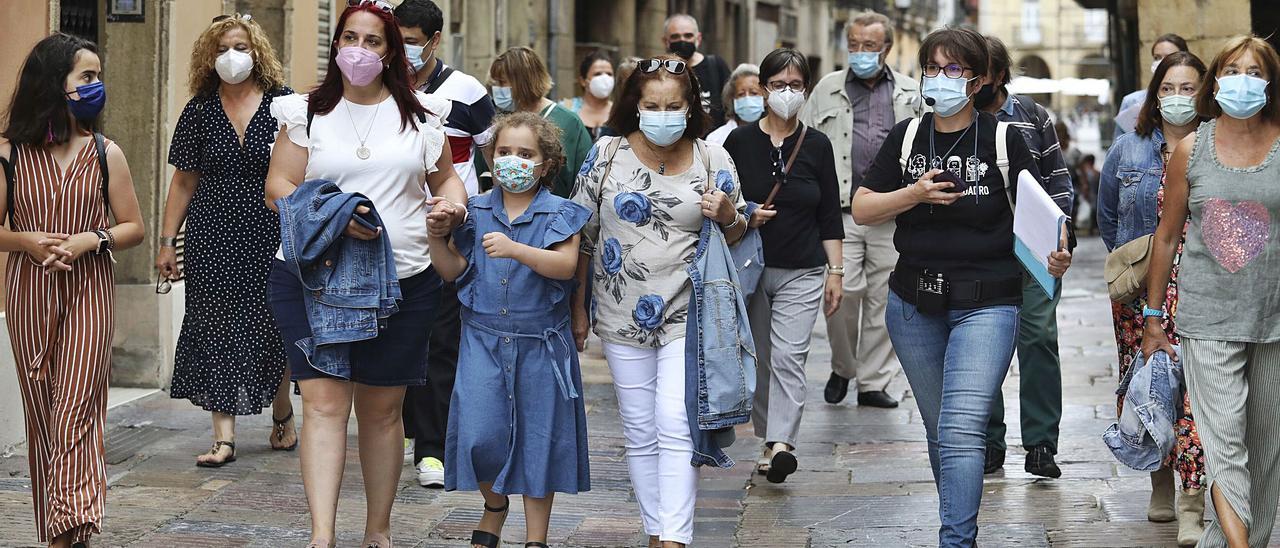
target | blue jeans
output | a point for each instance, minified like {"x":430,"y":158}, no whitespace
{"x":955,"y":362}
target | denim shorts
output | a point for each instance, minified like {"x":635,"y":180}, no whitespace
{"x":396,"y":357}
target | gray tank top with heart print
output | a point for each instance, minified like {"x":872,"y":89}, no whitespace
{"x":1229,"y":283}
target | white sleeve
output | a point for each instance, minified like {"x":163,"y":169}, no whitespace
{"x":290,"y":112}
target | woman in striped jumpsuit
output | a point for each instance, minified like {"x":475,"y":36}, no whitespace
{"x":59,"y":283}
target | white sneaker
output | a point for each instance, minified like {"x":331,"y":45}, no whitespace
{"x":430,"y":472}
{"x":408,"y":450}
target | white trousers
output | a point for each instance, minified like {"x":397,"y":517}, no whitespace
{"x":650,"y":387}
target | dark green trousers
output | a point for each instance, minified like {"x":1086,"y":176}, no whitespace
{"x":1040,"y":372}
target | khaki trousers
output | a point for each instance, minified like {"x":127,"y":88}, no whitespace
{"x":860,"y":347}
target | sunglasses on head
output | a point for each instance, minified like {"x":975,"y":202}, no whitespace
{"x":674,"y":66}
{"x":380,"y":4}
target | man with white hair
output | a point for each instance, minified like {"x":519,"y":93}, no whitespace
{"x":855,"y":108}
{"x":682,"y":37}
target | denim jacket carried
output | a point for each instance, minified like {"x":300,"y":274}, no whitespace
{"x":1127,"y":188}
{"x":350,"y":285}
{"x":1143,"y":435}
{"x":720,"y":354}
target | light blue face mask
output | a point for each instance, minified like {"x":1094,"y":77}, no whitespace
{"x":864,"y":64}
{"x":502,"y":98}
{"x":748,"y":108}
{"x":949,"y":94}
{"x":663,"y":127}
{"x":1241,"y":96}
{"x":414,"y":53}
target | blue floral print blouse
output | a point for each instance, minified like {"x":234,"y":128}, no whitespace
{"x":643,"y":232}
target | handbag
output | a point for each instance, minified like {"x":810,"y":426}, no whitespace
{"x":1126,"y":269}
{"x":748,"y":252}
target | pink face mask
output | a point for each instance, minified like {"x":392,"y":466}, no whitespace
{"x":359,"y":65}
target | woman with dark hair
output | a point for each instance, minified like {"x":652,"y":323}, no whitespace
{"x":955,"y":291}
{"x":1126,"y":115}
{"x":789,"y":169}
{"x":1131,"y":196}
{"x":519,"y":82}
{"x":1221,"y":195}
{"x":60,"y":286}
{"x":229,"y":359}
{"x":596,"y":78}
{"x":649,"y":192}
{"x":366,"y":131}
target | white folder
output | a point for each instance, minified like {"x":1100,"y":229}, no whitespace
{"x":1038,"y":225}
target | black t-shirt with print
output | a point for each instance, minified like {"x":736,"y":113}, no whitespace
{"x":971,"y":239}
{"x":712,"y":74}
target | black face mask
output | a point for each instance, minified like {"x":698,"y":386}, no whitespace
{"x":682,"y":48}
{"x":985,"y":96}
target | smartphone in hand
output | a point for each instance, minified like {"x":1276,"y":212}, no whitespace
{"x":949,"y":177}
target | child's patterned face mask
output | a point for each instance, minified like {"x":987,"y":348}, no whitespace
{"x":515,"y":174}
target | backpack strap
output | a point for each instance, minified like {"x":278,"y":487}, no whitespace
{"x":1002,"y":160}
{"x":310,"y":114}
{"x":10,"y":166}
{"x":444,"y":75}
{"x":908,"y":139}
{"x":100,"y":143}
{"x":610,"y":151}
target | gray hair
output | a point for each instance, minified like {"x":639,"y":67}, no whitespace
{"x":667,"y":23}
{"x":868,"y":18}
{"x":731,"y":86}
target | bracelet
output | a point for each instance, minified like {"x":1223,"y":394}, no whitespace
{"x":168,"y":241}
{"x":736,"y":219}
{"x":835,"y":270}
{"x":111,"y":239}
{"x":1148,"y":312}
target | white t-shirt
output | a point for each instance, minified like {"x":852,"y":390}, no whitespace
{"x":394,"y":177}
{"x":721,"y":133}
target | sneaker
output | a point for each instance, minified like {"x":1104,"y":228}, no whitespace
{"x":430,"y":472}
{"x":408,"y":450}
{"x":1040,"y":462}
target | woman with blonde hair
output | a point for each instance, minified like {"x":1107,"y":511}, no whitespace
{"x":229,"y":359}
{"x":519,"y":82}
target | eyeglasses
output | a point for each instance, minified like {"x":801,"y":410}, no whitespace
{"x":954,"y":71}
{"x":674,"y":66}
{"x":163,"y":286}
{"x":778,"y":86}
{"x":380,"y":4}
{"x":779,"y":168}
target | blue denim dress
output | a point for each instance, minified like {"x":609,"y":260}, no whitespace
{"x":516,"y":417}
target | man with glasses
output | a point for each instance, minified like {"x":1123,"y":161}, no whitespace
{"x":856,"y":108}
{"x":681,"y":36}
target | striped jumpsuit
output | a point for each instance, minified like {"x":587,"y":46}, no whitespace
{"x":60,"y":325}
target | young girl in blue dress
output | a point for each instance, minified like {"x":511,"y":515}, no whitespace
{"x":517,"y":424}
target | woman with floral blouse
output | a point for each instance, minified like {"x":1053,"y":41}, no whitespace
{"x":647,"y":190}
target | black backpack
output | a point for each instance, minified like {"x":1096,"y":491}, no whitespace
{"x":11,"y":172}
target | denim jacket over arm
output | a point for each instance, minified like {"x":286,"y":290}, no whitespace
{"x":350,"y":285}
{"x":1143,"y":434}
{"x":720,"y":354}
{"x":1127,"y":188}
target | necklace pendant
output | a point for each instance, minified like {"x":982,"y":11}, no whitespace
{"x":362,"y":152}
{"x":662,"y":168}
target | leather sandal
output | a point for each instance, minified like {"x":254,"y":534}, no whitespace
{"x":278,"y":432}
{"x":217,"y":446}
{"x":485,"y":538}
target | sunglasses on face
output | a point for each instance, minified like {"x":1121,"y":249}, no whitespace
{"x":674,"y":66}
{"x":380,"y":4}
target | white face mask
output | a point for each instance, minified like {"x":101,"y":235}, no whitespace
{"x":601,"y":86}
{"x":1154,"y":65}
{"x":234,"y":66}
{"x":786,"y":103}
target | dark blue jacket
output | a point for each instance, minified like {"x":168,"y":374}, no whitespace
{"x":350,"y":285}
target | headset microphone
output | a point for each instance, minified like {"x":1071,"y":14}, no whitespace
{"x":929,"y":101}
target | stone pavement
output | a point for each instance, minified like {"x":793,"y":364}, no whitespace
{"x":864,"y":475}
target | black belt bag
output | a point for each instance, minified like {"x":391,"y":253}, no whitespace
{"x":936,"y":293}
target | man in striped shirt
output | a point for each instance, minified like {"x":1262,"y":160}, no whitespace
{"x":1041,"y":374}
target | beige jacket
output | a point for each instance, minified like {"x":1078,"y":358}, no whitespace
{"x":828,"y":110}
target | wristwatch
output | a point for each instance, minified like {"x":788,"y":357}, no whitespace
{"x":168,"y":241}
{"x":104,"y":242}
{"x":1148,"y":312}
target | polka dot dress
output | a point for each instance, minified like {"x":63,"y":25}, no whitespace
{"x":230,"y":357}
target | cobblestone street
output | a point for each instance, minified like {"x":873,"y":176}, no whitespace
{"x":864,"y":475}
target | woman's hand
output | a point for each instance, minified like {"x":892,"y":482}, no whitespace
{"x":167,"y":262}
{"x":444,"y":217}
{"x":71,"y":249}
{"x":359,"y":231}
{"x":761,"y":216}
{"x":928,"y":192}
{"x":717,"y":207}
{"x":833,"y":294}
{"x":43,"y":248}
{"x":1154,"y":338}
{"x":581,"y":325}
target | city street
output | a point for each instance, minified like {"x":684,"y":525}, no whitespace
{"x":864,"y":476}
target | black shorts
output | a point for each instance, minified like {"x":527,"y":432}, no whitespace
{"x":396,"y":357}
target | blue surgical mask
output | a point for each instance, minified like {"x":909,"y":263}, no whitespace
{"x":1241,"y":96}
{"x":749,"y":108}
{"x":92,"y":98}
{"x":949,"y":95}
{"x":502,"y":98}
{"x":864,"y":64}
{"x":663,"y":127}
{"x":514,"y":174}
{"x":1178,"y":110}
{"x":414,"y":53}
